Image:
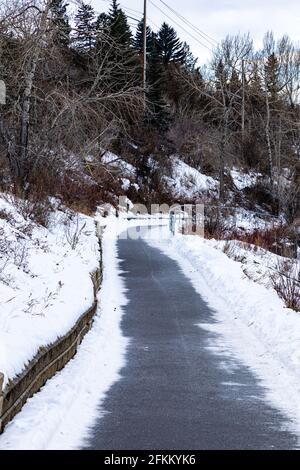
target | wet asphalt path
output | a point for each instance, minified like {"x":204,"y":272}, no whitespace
{"x":174,"y":392}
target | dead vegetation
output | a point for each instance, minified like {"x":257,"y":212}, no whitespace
{"x":286,"y":282}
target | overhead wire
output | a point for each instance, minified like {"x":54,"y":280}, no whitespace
{"x":201,"y":33}
{"x":180,"y":26}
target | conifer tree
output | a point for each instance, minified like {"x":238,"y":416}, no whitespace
{"x":272,"y":71}
{"x":221,"y":78}
{"x":119,"y":27}
{"x":159,"y":112}
{"x":102,"y":23}
{"x":188,"y":58}
{"x":235,"y":83}
{"x":60,"y":20}
{"x":138,"y":42}
{"x":101,"y":30}
{"x":169,"y":46}
{"x":85,"y":28}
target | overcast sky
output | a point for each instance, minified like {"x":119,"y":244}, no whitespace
{"x":217,"y":18}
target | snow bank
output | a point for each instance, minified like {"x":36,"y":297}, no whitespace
{"x":248,"y":221}
{"x":62,"y":414}
{"x":244,"y":180}
{"x":187,"y":182}
{"x":45,"y":283}
{"x":117,"y":162}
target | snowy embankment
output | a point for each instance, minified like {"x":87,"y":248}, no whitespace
{"x":188,"y":183}
{"x":61,"y":415}
{"x":252,"y":322}
{"x":45,"y":282}
{"x":183,"y":181}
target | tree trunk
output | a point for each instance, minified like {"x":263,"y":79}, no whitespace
{"x":27,"y":97}
{"x":222,"y":156}
{"x":268,"y":139}
{"x":9,"y":142}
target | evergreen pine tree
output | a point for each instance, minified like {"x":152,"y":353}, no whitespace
{"x":159,"y":112}
{"x":272,"y":76}
{"x":101,"y":30}
{"x":85,"y":28}
{"x":114,"y":47}
{"x":235,"y":83}
{"x":60,"y":20}
{"x":102,"y":23}
{"x":169,"y":46}
{"x":188,"y":59}
{"x":154,"y":70}
{"x":138,"y":42}
{"x":119,"y":28}
{"x":256,"y":92}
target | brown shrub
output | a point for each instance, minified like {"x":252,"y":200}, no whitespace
{"x":279,"y":240}
{"x":215,"y":225}
{"x":261,"y":195}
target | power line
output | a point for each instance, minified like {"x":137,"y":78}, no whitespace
{"x":201,"y":33}
{"x":179,"y":25}
{"x":131,"y":9}
{"x":132,"y":18}
{"x":154,"y":24}
{"x":79,"y":3}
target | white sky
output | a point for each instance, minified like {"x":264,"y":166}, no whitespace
{"x":217,"y":18}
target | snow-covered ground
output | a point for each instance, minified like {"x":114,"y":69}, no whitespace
{"x":258,"y":263}
{"x":244,"y":180}
{"x":252,"y":324}
{"x":116,"y":162}
{"x":59,"y":416}
{"x":45,"y":282}
{"x":188,"y":183}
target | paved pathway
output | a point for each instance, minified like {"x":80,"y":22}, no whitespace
{"x":174,"y":392}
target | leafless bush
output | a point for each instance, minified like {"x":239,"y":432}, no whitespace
{"x":34,"y":209}
{"x":20,"y":255}
{"x":195,"y":142}
{"x":286,"y":282}
{"x":3,"y":256}
{"x":280,"y":239}
{"x":233,"y":252}
{"x":73,"y":232}
{"x":215,"y":224}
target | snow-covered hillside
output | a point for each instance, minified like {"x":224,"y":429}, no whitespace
{"x":188,"y":183}
{"x":244,"y":180}
{"x":45,"y":282}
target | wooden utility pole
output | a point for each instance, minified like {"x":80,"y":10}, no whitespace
{"x":145,"y":51}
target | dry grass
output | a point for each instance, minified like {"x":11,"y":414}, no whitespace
{"x":286,"y":282}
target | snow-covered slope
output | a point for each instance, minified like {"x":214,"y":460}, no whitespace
{"x":114,"y":161}
{"x":188,"y":183}
{"x":45,"y":282}
{"x":244,"y":180}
